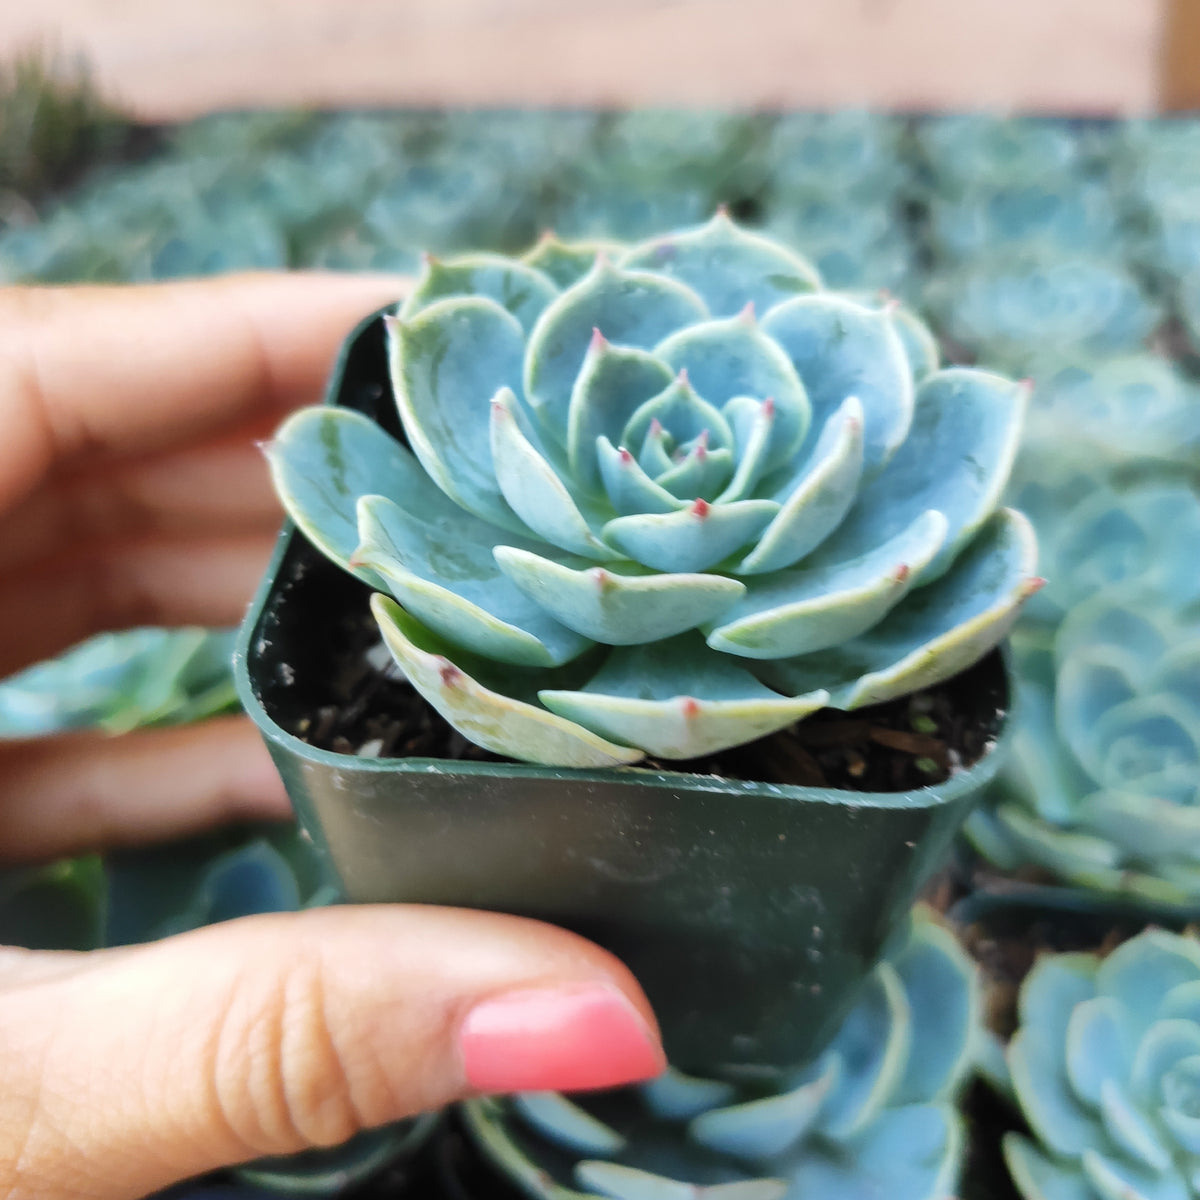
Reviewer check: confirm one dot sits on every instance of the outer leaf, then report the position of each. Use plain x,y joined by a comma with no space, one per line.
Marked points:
568,262
933,633
840,348
495,722
447,364
629,1183
630,308
956,459
521,289
614,606
678,700
445,574
630,490
797,612
1040,1177
566,1124
323,459
726,266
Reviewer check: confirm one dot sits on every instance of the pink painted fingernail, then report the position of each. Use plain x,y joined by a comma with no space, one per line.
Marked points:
558,1039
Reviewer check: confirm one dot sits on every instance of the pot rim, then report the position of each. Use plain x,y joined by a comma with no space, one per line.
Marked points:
959,784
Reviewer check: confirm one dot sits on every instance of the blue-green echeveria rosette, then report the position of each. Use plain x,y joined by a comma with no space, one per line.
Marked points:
874,1115
664,499
1103,788
1105,1066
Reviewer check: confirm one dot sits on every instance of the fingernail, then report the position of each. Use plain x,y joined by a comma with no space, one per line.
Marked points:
558,1039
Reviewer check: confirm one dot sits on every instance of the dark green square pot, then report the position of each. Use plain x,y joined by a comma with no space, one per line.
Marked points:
750,912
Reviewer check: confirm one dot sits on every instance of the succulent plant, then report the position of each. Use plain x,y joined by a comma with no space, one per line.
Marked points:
873,1115
117,681
675,498
1105,1066
1103,786
1031,308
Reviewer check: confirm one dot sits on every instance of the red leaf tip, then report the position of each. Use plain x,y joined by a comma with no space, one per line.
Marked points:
598,342
690,707
700,508
601,578
682,377
747,315
902,572
768,407
1033,585
625,457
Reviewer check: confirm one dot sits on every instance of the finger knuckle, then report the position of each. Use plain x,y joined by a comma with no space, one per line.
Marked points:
282,1081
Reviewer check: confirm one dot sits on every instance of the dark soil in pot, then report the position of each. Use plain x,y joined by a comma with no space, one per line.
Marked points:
356,702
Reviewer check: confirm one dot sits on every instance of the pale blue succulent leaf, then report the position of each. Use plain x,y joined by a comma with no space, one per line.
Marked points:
1119,1179
612,384
935,632
872,1046
1090,683
1145,737
655,456
727,266
619,1182
1054,1112
617,605
1150,823
944,1003
700,474
323,459
956,459
447,363
914,1152
1098,1047
630,308
1130,1129
567,1124
684,413
751,422
447,577
758,1131
690,539
630,490
1179,1090
1182,1001
1040,1176
519,288
565,263
734,357
816,497
674,1096
800,611
534,490
494,721
1141,971
1164,1044
841,348
677,699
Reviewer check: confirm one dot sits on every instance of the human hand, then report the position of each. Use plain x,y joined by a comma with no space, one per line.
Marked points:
131,493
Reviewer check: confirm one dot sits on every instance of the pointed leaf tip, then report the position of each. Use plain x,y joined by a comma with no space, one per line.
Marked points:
599,341
722,210
768,408
1033,585
701,509
625,457
748,316
690,707
902,572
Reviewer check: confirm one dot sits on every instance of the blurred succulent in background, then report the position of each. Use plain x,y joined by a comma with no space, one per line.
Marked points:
118,681
1025,309
961,152
1105,1066
836,190
874,1115
1103,787
661,461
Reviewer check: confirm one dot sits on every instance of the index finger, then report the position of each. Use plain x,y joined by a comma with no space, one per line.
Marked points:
104,371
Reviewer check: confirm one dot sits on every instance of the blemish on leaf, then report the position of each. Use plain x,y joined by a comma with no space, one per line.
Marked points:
450,674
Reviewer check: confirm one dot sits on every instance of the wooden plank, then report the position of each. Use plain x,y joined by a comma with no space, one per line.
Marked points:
1181,56
175,60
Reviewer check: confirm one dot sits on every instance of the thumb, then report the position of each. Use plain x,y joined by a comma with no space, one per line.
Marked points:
126,1070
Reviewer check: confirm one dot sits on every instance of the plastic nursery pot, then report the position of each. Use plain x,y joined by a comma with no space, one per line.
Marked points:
750,912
